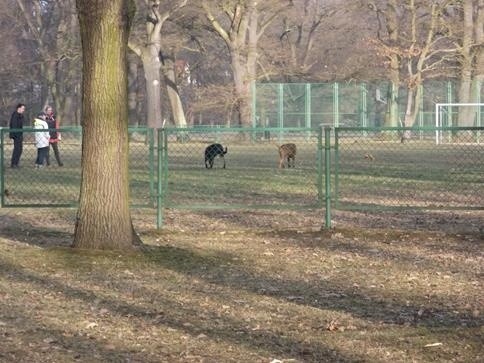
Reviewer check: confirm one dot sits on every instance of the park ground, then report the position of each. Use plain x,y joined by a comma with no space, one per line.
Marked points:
245,287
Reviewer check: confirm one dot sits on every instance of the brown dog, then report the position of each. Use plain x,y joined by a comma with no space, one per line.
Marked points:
287,152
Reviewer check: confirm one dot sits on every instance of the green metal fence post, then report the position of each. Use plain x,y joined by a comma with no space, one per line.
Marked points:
327,162
307,109
479,113
280,105
320,166
336,104
151,166
159,191
165,166
2,182
336,167
450,116
421,111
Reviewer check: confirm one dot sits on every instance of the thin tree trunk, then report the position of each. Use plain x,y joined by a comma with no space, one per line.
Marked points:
392,120
465,116
173,93
133,92
242,95
478,74
150,54
151,66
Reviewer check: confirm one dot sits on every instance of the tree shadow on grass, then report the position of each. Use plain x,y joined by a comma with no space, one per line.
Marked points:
398,247
21,230
213,268
332,295
199,321
34,339
451,222
328,295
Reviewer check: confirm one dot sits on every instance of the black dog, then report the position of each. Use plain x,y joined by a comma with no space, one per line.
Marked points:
211,152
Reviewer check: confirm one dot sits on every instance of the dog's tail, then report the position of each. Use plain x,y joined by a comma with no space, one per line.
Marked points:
225,150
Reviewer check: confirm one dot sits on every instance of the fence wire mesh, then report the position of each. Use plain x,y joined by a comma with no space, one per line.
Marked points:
57,185
353,168
375,170
252,177
352,104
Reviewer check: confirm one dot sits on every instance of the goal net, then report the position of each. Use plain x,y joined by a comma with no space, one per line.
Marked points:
447,115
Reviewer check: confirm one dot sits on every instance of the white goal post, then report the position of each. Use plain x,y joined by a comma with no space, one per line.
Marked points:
439,119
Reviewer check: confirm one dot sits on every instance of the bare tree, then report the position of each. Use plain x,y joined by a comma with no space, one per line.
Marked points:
241,23
16,56
134,91
308,32
52,26
471,58
388,34
479,57
204,76
103,218
153,61
417,45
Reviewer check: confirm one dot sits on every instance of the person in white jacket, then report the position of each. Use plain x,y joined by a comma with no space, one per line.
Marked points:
41,140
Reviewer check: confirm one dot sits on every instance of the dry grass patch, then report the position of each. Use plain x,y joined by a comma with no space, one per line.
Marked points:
290,295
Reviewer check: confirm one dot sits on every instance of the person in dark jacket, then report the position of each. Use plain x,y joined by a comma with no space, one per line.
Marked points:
54,134
16,123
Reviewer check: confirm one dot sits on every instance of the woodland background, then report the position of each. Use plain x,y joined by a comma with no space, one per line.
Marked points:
193,62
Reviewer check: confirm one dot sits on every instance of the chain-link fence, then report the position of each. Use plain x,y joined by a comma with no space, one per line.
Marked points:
373,169
240,168
57,184
236,168
342,168
351,104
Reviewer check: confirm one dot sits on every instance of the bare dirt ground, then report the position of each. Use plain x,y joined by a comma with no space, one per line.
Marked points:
246,286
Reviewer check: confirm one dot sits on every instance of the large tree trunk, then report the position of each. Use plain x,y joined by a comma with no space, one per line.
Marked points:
466,114
392,118
150,54
241,38
414,97
48,73
151,66
103,218
478,75
242,87
133,92
173,93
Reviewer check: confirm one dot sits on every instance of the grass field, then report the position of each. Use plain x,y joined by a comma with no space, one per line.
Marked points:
56,185
365,172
